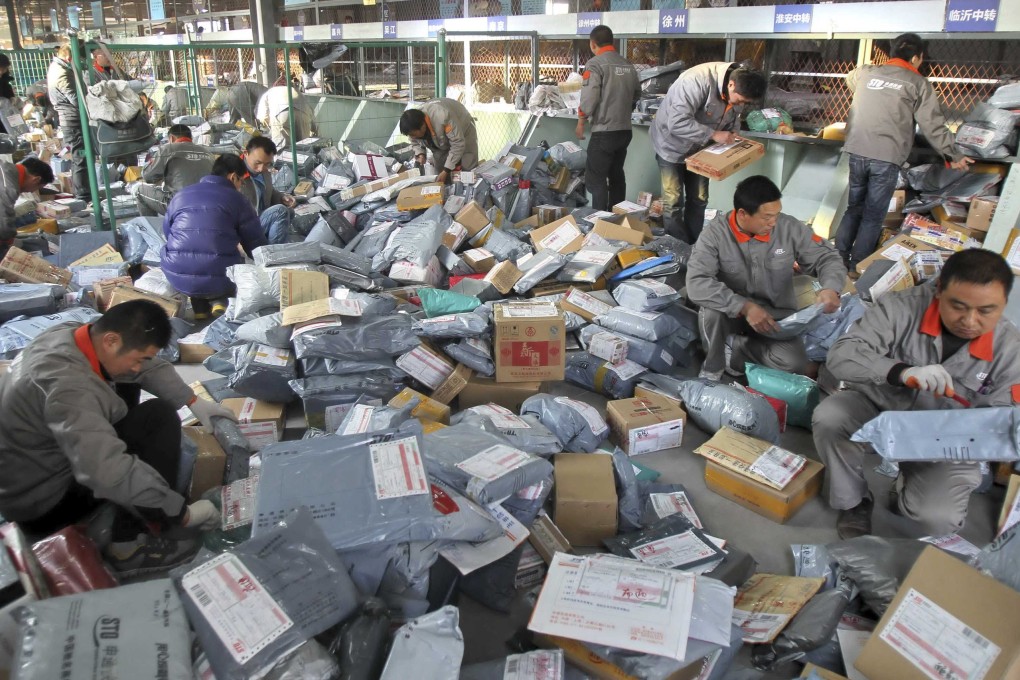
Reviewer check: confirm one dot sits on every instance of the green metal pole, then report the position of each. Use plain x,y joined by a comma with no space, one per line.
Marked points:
86,133
194,78
441,72
291,112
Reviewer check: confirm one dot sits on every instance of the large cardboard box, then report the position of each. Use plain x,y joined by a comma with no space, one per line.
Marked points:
19,266
779,506
420,197
481,390
261,422
646,424
586,504
472,217
981,212
127,293
529,342
453,384
947,620
209,466
563,236
899,248
719,161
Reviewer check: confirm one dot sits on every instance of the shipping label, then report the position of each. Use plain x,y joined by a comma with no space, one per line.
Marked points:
666,504
238,502
674,552
589,413
398,469
777,466
494,462
541,664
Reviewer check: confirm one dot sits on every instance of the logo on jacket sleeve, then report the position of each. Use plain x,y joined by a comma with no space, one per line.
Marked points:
879,84
780,251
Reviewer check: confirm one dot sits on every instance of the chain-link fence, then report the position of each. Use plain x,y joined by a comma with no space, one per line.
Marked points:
28,67
808,79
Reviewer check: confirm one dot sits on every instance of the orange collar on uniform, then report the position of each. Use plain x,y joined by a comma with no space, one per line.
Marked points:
607,48
902,63
428,124
741,236
980,347
21,175
182,139
84,342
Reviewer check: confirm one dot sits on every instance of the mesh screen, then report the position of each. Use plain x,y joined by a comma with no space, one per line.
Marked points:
808,79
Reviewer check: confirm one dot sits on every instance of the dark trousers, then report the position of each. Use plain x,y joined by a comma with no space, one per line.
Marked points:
684,200
152,431
604,174
74,139
872,183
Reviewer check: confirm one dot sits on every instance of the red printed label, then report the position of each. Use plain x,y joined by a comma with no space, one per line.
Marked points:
531,353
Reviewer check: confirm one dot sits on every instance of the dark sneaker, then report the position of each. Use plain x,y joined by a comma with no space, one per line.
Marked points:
856,521
218,308
149,555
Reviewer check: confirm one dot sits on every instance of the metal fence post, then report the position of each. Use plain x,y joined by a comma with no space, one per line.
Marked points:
290,112
410,71
197,92
442,68
535,60
86,134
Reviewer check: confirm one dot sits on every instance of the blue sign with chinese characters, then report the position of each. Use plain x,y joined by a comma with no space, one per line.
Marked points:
587,21
672,21
495,23
434,26
389,29
336,31
299,33
792,19
971,15
156,10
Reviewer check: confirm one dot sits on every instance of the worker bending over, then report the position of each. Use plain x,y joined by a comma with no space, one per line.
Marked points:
176,165
28,176
444,127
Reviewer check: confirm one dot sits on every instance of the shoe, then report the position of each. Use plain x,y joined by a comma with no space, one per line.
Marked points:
218,309
149,554
715,376
201,316
856,521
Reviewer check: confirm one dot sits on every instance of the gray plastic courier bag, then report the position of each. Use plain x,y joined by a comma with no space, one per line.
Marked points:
307,252
877,566
237,448
503,246
539,267
651,326
987,132
133,631
310,661
528,502
961,435
29,299
481,464
658,543
627,491
588,264
315,367
370,242
257,289
474,353
253,605
419,239
813,626
799,323
645,295
712,406
526,433
592,373
464,520
357,339
652,355
263,373
570,155
361,645
16,334
328,398
999,559
818,340
465,325
367,418
142,240
338,257
430,647
266,330
578,426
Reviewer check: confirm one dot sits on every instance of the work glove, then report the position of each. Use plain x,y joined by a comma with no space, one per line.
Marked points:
202,515
933,378
206,410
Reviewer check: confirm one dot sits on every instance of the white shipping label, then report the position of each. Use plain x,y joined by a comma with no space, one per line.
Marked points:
530,309
360,419
560,237
424,366
503,418
272,356
531,493
242,614
431,191
596,257
238,502
656,437
588,303
398,469
674,551
596,216
607,346
541,664
777,466
937,643
590,415
759,626
953,543
897,252
259,435
627,369
629,206
494,462
658,288
666,504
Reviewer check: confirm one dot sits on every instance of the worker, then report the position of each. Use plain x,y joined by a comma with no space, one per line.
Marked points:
909,352
28,176
272,206
741,275
610,91
64,97
37,99
204,225
76,434
175,103
276,109
703,106
148,107
444,127
176,165
102,69
239,99
880,135
6,79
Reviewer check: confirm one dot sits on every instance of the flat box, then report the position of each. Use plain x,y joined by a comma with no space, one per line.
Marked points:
618,232
427,408
646,424
631,256
981,212
376,185
779,506
481,390
454,236
547,539
503,276
584,305
52,210
209,466
369,166
420,197
21,267
261,422
563,236
899,247
454,383
972,615
298,287
194,354
529,342
123,293
719,161
428,366
472,217
585,505
45,225
479,259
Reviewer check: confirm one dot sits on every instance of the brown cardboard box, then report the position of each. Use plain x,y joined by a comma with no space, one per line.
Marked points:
194,354
547,214
298,287
44,225
981,212
630,208
547,538
719,161
950,214
304,188
473,218
126,293
896,203
646,424
420,196
585,504
563,236
643,391
1012,493
261,422
104,289
427,408
426,364
821,672
773,596
529,342
454,383
65,182
455,235
375,185
21,267
52,210
1011,251
481,390
899,247
618,232
479,259
503,276
629,257
561,181
106,254
779,506
528,224
975,618
583,304
209,466
600,668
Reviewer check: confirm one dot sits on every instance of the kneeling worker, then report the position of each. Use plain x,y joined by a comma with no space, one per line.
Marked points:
741,276
446,128
28,176
273,207
910,351
176,165
74,435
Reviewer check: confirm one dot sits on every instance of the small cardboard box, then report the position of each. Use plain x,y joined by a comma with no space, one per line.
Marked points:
561,181
428,366
529,342
373,186
981,212
584,305
453,384
420,197
369,165
123,293
548,214
547,538
608,347
261,422
563,236
899,248
473,218
646,424
618,232
194,353
454,236
104,289
52,210
975,616
427,408
19,266
766,603
304,188
779,506
503,276
586,504
209,466
298,287
719,161
479,259
481,390
631,208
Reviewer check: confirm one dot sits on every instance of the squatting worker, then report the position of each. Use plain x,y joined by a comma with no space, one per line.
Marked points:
910,351
64,98
28,176
741,276
75,434
610,91
702,107
444,127
888,100
176,165
273,207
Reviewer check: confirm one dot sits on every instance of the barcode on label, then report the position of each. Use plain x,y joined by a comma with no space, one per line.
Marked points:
511,666
202,596
976,638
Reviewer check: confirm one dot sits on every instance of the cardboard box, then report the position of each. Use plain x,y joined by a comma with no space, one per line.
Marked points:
473,218
481,390
547,538
369,165
47,226
261,422
548,214
821,672
645,391
900,247
454,383
631,208
981,212
645,424
595,666
102,290
561,181
298,287
719,161
420,197
454,236
617,232
503,276
133,173
19,266
428,366
210,464
194,353
974,617
124,293
479,259
529,342
106,254
373,186
585,504
1011,251
608,347
584,305
896,203
779,506
767,602
52,210
563,236
427,408
1012,494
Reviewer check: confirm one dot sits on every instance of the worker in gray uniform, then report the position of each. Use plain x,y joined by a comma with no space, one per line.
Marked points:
909,352
28,176
446,128
610,91
888,100
176,165
702,107
740,274
176,103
